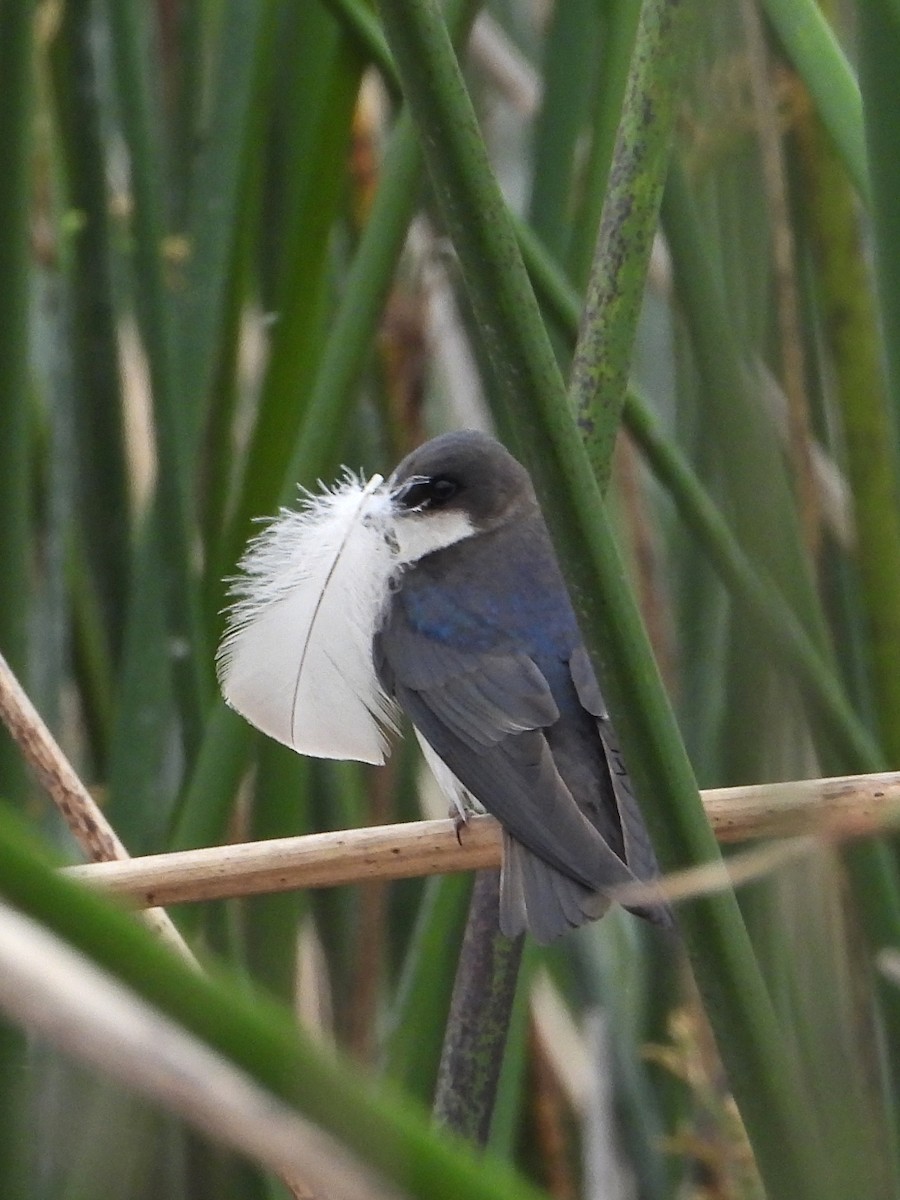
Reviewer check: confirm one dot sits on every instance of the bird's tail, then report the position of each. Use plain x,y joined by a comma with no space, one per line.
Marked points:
536,897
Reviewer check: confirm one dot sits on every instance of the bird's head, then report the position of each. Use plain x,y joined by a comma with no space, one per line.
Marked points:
454,487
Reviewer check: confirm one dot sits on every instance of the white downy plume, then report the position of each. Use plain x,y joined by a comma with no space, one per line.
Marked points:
296,659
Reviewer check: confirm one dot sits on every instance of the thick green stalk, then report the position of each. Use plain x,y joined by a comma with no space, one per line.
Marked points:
221,458
217,770
477,1025
317,446
628,221
15,117
571,56
810,44
514,1105
852,329
139,784
620,21
280,809
101,478
762,1074
418,1018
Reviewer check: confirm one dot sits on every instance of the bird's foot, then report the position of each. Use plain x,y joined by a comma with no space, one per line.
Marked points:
460,819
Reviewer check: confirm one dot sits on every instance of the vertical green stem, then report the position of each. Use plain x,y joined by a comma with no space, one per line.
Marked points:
191,660
15,1102
873,427
101,476
571,56
15,118
619,31
769,528
214,190
627,227
317,445
477,1026
316,136
852,328
16,64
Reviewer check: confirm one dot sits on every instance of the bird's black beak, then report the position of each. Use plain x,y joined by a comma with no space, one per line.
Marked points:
402,496
399,495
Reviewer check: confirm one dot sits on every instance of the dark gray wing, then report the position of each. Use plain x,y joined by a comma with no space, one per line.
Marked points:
486,715
639,852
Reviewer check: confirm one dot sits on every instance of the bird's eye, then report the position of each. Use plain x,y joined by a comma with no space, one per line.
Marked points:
421,495
442,489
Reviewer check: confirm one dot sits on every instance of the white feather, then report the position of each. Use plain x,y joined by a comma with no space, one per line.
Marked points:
296,659
461,799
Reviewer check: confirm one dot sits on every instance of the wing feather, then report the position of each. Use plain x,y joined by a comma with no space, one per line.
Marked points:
638,849
516,779
514,714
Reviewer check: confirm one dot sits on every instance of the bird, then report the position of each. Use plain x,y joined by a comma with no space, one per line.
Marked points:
438,593
479,645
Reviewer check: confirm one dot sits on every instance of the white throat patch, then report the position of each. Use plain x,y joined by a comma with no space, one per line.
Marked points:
418,534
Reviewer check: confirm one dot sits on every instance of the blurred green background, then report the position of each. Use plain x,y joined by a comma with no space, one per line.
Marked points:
224,273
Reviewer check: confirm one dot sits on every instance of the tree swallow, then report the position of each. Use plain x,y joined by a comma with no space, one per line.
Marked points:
479,646
454,608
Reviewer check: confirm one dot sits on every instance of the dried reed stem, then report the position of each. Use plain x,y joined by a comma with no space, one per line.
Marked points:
87,823
835,809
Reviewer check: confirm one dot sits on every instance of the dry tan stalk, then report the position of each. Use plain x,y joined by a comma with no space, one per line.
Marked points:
83,816
318,860
833,809
843,806
706,879
40,749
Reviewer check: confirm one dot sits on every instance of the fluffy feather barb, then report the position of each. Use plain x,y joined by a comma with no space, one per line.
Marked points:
296,659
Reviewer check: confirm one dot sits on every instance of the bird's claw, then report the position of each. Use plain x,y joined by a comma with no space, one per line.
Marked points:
460,820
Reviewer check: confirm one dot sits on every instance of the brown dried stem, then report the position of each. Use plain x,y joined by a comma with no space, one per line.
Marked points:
83,816
833,809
